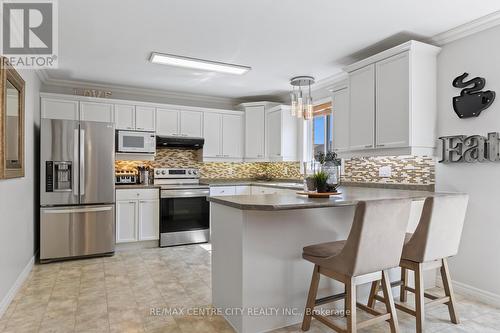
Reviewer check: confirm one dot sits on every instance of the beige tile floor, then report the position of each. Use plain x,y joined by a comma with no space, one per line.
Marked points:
116,294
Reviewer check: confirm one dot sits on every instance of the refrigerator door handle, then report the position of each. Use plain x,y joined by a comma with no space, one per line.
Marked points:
77,210
82,162
75,160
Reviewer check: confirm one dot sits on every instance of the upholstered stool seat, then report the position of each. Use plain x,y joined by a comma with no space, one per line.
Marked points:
358,260
323,250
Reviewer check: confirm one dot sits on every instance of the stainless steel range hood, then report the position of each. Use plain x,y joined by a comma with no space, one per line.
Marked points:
179,142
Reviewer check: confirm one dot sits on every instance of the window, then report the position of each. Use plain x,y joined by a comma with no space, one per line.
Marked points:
322,126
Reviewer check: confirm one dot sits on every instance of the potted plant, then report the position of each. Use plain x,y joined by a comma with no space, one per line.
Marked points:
320,180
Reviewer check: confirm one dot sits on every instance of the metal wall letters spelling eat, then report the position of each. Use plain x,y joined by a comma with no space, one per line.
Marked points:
474,148
471,101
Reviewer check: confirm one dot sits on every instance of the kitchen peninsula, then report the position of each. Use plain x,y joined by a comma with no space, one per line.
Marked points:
257,246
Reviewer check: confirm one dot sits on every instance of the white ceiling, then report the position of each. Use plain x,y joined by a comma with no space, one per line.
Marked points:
110,41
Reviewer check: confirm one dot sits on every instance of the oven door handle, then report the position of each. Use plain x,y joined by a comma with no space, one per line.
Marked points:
184,193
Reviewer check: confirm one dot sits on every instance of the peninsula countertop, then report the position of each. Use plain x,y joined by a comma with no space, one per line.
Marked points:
349,196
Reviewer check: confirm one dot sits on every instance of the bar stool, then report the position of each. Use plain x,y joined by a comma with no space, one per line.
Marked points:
436,238
376,236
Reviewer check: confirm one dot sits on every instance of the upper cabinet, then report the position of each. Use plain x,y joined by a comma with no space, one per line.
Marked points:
392,103
145,117
223,133
125,116
340,102
191,124
362,108
53,108
92,111
179,123
281,134
131,117
255,130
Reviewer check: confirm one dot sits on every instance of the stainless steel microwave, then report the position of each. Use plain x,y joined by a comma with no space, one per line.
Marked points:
135,142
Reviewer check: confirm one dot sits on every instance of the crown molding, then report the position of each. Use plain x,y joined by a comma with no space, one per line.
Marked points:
139,91
467,29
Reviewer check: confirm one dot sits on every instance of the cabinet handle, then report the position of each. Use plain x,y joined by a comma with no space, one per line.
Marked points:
131,202
369,146
380,145
140,128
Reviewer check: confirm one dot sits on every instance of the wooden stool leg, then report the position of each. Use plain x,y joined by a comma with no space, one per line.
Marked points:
311,299
448,289
419,298
373,293
389,302
403,293
351,306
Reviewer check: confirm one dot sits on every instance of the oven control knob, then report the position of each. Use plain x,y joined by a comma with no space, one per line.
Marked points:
157,172
190,172
195,172
163,172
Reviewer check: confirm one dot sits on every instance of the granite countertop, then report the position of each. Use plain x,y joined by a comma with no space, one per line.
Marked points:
294,184
349,196
136,186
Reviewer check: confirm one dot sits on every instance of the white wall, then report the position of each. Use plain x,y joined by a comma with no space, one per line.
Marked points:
18,201
477,264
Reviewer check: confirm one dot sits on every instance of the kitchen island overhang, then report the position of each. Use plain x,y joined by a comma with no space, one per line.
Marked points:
259,279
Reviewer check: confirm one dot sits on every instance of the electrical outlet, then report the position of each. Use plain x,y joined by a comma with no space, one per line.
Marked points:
385,172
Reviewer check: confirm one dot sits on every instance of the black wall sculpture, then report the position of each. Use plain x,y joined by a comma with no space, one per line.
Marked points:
472,100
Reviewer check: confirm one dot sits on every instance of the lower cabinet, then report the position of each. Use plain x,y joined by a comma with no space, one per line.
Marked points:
137,215
247,190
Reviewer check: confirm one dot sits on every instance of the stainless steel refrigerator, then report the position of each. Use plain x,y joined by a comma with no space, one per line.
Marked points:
77,199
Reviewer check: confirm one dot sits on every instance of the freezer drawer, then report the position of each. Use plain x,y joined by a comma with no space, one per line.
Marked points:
76,231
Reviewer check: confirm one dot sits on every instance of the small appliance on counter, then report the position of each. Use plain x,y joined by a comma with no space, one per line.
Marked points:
144,175
125,177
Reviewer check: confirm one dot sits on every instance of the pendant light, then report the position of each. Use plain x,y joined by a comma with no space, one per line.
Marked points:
301,99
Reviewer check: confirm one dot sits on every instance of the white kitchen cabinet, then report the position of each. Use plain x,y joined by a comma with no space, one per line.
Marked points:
340,106
256,190
362,108
93,111
255,144
243,190
126,215
125,116
222,190
191,124
212,133
179,123
232,136
149,219
167,122
137,215
223,136
392,104
145,117
281,134
392,101
59,109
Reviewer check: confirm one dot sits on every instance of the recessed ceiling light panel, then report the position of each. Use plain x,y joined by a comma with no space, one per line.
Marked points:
206,65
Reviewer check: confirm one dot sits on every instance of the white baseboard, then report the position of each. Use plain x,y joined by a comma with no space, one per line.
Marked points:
4,304
136,245
474,293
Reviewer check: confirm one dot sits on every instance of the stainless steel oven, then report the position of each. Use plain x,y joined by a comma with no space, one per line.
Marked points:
184,210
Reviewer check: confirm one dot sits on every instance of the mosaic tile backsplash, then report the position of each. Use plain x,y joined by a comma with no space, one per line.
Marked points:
406,170
410,170
181,158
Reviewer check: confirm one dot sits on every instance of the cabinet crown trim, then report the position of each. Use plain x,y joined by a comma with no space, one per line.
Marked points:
408,46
